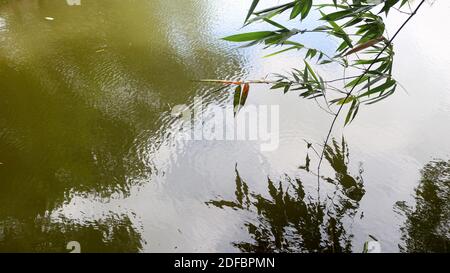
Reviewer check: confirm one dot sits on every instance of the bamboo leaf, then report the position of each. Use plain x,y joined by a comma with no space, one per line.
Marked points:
344,100
273,23
379,89
245,92
237,99
311,71
357,81
250,36
388,4
337,15
339,32
364,46
307,5
297,9
350,113
252,9
281,51
279,85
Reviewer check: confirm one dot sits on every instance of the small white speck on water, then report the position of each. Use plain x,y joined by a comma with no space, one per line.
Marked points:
49,18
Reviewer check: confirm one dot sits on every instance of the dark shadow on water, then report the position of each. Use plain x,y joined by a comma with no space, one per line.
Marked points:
292,220
112,234
427,225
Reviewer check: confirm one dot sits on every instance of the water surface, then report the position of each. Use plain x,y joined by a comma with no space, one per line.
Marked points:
89,149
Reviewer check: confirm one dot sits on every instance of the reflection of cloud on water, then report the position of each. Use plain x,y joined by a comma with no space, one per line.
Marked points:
182,176
73,2
2,24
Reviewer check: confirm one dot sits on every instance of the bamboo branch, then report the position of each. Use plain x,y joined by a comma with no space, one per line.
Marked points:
353,89
228,82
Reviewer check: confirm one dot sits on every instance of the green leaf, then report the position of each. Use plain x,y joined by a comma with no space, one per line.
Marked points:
342,46
262,17
307,5
294,43
388,4
344,100
252,9
311,53
273,23
337,15
371,83
379,89
403,3
357,81
371,61
286,88
280,8
352,22
281,51
339,32
380,98
326,62
335,5
355,112
249,36
305,75
352,112
311,71
279,85
296,78
237,99
297,9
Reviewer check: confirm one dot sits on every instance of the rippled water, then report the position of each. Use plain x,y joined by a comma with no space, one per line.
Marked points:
89,147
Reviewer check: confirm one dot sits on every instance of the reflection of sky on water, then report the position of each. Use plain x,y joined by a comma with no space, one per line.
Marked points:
399,152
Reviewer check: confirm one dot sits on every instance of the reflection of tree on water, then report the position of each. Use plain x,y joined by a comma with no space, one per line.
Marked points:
338,157
427,225
42,234
292,220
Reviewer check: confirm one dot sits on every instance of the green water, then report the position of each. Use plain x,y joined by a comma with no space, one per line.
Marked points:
88,150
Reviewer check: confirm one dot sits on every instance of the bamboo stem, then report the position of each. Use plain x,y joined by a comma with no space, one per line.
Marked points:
228,82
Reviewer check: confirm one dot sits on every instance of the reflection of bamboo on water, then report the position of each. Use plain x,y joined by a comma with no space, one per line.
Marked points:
290,220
